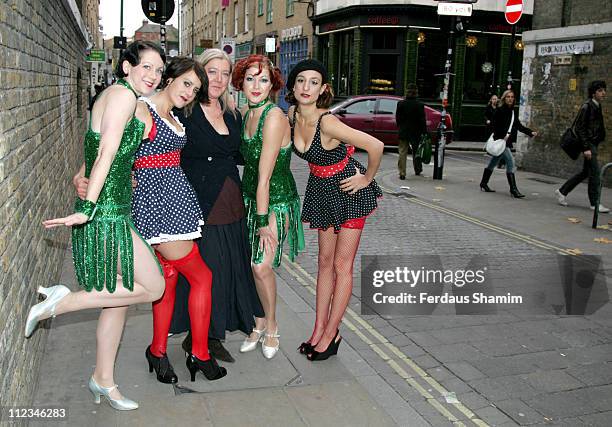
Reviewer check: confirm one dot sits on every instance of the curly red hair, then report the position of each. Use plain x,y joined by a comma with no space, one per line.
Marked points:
260,61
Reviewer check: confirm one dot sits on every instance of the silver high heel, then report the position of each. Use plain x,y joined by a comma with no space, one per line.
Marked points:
248,345
268,351
124,404
54,295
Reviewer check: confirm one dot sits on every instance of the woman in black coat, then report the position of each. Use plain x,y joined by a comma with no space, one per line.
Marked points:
506,125
209,160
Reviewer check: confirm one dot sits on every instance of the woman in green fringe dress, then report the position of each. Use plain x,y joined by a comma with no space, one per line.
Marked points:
114,265
270,195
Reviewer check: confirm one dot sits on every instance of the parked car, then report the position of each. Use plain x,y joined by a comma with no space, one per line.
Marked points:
375,114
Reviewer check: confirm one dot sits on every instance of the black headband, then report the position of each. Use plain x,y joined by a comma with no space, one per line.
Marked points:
306,65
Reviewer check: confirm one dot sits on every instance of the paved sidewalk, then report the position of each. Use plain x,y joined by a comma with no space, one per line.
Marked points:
285,391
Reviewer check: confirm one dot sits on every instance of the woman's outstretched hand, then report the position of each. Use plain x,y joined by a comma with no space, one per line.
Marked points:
70,220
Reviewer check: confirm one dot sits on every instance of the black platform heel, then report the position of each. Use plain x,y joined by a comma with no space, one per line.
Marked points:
161,365
211,370
331,350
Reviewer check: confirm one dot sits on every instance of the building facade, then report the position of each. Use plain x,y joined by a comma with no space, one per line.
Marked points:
149,31
371,47
570,46
43,120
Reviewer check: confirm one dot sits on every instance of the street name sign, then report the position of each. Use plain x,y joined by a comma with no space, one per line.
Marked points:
96,56
582,47
455,9
514,11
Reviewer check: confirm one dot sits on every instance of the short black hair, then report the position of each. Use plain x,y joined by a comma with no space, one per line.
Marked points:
132,53
595,86
180,65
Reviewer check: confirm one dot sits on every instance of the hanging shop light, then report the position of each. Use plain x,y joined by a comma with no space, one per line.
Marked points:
421,37
471,41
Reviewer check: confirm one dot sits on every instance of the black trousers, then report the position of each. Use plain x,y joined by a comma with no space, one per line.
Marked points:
590,170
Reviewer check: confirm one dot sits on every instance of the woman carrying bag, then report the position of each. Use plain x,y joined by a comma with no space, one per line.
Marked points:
506,124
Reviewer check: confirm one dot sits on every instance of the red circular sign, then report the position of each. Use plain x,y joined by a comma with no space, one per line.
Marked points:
514,11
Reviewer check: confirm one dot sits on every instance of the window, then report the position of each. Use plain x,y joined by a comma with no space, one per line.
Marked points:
289,7
387,106
269,12
259,7
361,107
217,26
246,16
235,19
224,22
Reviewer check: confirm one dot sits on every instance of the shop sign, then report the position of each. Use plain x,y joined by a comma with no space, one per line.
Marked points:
96,56
383,20
243,50
335,26
291,33
581,47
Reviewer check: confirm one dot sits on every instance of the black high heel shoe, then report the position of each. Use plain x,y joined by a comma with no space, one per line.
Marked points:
211,370
305,348
161,365
331,350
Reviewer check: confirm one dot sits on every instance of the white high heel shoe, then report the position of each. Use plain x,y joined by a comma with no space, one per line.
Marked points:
54,295
123,404
248,345
270,352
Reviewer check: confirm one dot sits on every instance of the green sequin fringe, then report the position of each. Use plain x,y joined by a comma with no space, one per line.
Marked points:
288,227
99,243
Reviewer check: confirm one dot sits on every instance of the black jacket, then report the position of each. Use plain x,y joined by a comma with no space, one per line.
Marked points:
209,158
589,125
410,119
501,123
489,115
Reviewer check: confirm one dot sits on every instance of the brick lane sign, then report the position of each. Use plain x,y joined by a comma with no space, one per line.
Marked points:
455,9
514,11
96,56
581,47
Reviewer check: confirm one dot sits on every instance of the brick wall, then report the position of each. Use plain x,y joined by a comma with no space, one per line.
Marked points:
42,120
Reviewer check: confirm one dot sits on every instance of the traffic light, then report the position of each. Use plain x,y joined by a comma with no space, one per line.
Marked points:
119,42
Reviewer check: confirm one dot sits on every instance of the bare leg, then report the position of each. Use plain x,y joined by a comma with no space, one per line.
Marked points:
108,337
326,282
265,281
148,285
347,244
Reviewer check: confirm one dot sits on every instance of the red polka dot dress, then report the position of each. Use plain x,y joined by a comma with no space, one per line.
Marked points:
164,205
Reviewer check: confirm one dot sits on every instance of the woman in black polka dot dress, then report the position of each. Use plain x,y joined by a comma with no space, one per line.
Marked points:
340,194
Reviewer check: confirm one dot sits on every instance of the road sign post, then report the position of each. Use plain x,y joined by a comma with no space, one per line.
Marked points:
513,12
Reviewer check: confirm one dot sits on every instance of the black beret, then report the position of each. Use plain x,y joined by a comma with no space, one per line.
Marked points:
305,65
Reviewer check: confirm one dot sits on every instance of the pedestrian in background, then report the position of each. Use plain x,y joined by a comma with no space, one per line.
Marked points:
490,110
410,119
506,125
590,131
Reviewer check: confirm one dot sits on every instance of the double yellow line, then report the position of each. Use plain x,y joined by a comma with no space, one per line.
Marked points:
421,381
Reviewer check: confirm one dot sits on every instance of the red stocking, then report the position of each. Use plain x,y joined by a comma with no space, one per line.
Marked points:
163,309
199,277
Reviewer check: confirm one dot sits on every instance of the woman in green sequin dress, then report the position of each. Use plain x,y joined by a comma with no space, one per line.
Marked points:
270,194
114,266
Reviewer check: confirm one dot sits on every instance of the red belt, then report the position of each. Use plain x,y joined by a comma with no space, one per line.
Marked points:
164,160
331,170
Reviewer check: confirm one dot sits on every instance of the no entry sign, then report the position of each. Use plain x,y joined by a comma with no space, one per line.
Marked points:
514,11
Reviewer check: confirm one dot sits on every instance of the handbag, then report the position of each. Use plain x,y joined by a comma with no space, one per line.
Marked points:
424,149
570,143
496,147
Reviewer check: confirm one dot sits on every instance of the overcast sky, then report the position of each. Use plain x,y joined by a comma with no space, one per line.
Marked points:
132,16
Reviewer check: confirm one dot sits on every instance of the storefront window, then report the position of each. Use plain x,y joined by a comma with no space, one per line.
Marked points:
432,57
383,61
481,67
345,59
291,52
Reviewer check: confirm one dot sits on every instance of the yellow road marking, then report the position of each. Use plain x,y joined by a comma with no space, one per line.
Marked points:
309,282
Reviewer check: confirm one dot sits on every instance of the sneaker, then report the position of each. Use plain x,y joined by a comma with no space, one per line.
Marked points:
561,198
602,209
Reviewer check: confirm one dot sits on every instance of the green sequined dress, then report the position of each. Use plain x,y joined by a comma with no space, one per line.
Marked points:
97,244
284,198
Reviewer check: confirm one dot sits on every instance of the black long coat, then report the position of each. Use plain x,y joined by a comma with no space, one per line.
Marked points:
209,158
410,119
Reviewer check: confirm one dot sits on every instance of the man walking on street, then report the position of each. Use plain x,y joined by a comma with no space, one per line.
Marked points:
410,118
590,131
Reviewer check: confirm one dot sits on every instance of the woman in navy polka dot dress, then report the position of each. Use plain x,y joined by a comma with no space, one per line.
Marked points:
167,214
340,194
